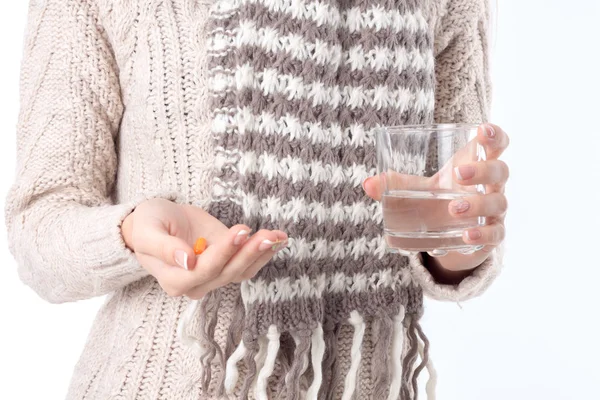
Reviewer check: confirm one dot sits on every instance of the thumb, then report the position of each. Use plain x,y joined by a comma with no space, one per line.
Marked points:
375,185
372,187
156,241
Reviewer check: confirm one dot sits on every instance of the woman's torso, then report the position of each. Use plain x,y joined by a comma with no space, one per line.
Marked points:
164,145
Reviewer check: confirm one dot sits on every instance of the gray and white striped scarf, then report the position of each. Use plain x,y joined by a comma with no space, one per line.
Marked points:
298,86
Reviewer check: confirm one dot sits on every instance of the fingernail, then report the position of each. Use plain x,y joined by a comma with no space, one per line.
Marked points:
181,258
364,183
459,206
274,246
281,246
265,245
490,132
473,234
241,237
464,172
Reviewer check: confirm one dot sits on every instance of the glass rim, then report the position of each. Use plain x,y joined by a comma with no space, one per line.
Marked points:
431,127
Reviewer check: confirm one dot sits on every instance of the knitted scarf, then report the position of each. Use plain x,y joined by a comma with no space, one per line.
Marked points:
298,87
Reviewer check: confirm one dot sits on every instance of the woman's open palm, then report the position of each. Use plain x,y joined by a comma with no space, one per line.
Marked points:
161,233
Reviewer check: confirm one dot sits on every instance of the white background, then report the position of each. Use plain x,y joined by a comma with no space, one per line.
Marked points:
535,334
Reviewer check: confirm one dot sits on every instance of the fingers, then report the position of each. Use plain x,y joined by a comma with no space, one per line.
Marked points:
493,139
491,172
170,278
156,242
253,269
488,205
253,255
492,234
166,260
211,262
493,206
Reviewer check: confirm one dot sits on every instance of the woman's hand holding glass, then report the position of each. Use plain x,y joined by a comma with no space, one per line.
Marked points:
492,173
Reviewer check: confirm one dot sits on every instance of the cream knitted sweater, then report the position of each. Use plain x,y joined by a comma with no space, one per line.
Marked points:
115,110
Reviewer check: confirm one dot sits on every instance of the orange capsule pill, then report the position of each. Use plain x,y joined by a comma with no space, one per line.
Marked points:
200,246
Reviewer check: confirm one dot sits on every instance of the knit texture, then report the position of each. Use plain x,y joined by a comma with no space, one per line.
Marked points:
116,108
298,89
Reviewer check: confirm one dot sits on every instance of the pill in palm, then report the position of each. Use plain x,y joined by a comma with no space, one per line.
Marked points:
200,246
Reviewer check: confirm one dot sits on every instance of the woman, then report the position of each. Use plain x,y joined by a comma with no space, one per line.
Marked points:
119,174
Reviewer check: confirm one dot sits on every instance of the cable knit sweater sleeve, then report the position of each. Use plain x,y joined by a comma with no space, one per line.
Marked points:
460,30
63,229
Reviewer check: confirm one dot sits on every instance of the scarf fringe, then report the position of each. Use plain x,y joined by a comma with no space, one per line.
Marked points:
382,369
358,323
236,327
209,315
298,367
249,361
331,374
234,335
424,358
231,370
272,349
418,347
397,347
408,361
185,321
317,353
253,361
392,337
430,386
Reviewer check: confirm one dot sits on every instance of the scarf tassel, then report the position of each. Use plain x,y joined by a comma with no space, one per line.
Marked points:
209,314
204,346
298,367
264,361
397,347
405,337
331,373
190,341
417,347
428,363
359,325
317,354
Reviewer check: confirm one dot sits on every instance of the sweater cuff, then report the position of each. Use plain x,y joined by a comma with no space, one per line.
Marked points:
472,286
113,264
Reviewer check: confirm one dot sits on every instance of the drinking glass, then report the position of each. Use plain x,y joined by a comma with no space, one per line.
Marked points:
417,166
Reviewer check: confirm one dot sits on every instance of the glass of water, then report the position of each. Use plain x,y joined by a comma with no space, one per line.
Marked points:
417,167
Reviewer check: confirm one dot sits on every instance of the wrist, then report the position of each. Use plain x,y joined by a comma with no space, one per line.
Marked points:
442,274
127,231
